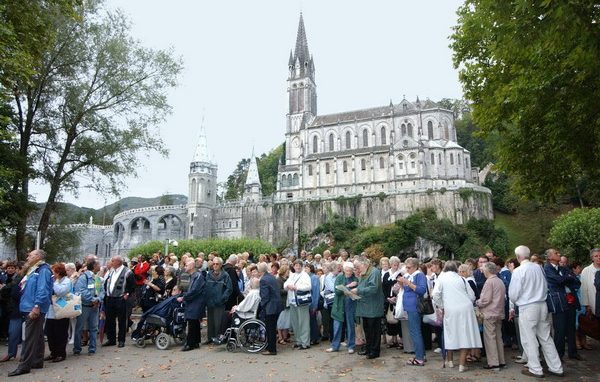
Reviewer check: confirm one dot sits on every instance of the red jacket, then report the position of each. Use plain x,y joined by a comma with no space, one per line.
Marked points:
140,272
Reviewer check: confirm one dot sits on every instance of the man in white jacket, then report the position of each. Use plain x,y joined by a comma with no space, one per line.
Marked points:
588,290
528,290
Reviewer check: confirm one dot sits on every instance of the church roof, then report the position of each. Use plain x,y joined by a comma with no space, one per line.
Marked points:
301,52
403,108
252,177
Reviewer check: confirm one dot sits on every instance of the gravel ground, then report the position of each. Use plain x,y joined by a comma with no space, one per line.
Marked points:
215,363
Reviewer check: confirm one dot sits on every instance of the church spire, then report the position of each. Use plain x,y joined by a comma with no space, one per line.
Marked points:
301,53
252,177
202,154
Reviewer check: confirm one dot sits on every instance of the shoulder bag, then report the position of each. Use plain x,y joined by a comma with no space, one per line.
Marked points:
68,306
424,304
303,297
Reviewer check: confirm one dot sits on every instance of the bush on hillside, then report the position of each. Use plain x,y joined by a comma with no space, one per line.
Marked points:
223,247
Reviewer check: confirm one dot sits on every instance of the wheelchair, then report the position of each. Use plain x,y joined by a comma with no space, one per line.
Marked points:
250,335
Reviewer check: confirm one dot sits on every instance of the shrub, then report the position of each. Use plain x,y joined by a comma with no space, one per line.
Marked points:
577,232
223,247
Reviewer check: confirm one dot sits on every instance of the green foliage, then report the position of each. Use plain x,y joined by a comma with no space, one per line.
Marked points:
268,165
457,241
531,70
502,198
223,247
577,232
468,135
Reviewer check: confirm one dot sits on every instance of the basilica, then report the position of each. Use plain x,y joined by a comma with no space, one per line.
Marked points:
377,165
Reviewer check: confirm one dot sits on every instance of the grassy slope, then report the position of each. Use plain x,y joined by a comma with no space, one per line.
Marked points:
530,228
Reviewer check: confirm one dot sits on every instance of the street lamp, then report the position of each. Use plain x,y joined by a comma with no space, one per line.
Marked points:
167,242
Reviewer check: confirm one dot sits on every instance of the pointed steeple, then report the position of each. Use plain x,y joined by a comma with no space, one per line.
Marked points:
301,53
252,177
202,154
291,60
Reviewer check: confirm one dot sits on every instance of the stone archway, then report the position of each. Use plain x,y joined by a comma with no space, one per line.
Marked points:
169,227
140,231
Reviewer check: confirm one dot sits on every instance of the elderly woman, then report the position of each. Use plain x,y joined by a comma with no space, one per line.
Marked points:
218,289
370,306
170,280
415,286
283,321
491,303
153,289
455,298
389,280
299,281
73,275
343,308
58,330
466,272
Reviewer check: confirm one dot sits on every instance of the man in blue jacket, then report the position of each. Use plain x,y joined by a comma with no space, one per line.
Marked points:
271,306
560,281
36,287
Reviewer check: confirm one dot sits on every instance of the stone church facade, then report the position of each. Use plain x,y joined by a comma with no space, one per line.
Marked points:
377,165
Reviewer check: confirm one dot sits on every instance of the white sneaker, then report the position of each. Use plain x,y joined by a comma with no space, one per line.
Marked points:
350,351
330,350
437,350
449,364
462,368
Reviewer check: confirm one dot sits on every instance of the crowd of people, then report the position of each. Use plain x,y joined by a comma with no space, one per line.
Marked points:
475,309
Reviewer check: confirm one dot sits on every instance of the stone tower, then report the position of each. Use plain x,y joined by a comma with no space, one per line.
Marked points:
252,187
203,190
302,94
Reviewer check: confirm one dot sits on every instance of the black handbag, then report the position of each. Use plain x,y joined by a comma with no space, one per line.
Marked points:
303,298
424,304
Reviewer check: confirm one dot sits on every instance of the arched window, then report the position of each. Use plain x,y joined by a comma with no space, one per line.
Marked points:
296,180
432,158
348,140
381,163
451,158
410,130
310,169
440,158
331,142
383,140
430,130
467,162
363,164
365,134
315,144
412,164
403,130
326,168
459,161
446,131
345,166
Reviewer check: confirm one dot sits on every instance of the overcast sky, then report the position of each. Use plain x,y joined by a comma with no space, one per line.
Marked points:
236,53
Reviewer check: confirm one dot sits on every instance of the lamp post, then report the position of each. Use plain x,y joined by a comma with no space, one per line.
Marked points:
167,242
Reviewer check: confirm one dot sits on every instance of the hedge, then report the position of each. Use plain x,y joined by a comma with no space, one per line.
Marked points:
223,247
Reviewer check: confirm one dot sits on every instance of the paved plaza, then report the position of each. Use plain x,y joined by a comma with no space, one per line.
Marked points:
215,363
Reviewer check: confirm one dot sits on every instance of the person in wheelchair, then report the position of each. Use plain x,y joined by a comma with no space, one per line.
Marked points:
244,311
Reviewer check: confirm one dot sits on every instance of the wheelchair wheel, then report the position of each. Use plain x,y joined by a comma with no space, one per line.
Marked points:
252,336
231,346
140,342
163,340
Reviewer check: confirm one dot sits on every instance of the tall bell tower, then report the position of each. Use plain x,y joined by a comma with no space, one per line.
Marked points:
202,190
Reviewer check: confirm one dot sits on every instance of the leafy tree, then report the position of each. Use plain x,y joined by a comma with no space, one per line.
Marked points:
235,181
577,232
502,198
166,200
268,165
88,109
530,68
26,31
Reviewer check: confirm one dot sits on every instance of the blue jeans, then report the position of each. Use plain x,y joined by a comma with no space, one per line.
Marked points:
15,331
338,325
414,327
88,315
